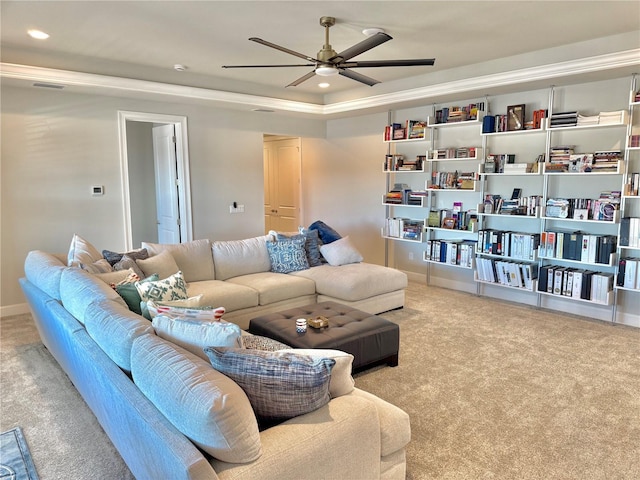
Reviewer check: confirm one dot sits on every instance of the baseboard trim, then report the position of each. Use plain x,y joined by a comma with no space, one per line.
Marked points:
17,309
416,277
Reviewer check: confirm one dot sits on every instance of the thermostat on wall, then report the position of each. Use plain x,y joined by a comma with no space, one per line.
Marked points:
97,190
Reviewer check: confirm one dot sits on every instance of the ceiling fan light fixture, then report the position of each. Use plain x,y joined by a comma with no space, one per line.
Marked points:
372,31
326,70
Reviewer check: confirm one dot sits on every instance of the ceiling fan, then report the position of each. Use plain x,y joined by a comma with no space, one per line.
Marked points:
328,62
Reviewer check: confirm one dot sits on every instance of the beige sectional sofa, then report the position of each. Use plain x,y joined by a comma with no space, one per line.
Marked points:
169,413
236,275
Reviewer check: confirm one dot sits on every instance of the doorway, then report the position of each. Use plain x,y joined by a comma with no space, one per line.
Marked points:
282,161
155,195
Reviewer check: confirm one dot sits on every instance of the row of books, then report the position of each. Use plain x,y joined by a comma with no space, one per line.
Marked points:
452,219
572,119
628,273
600,209
412,129
458,114
397,163
454,152
452,252
527,206
518,245
630,232
575,283
564,159
578,246
453,180
405,228
495,162
511,274
634,141
632,184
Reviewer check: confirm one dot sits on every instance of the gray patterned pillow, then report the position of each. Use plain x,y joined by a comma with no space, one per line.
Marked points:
279,385
170,288
258,342
311,245
126,263
288,255
115,257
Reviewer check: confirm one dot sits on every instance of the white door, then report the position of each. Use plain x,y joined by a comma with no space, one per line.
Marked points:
167,205
282,171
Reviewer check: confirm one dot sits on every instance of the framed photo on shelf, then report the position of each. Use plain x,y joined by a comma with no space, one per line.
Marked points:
515,117
449,222
398,134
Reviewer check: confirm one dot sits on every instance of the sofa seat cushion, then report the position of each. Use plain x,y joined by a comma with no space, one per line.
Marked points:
193,258
217,293
233,258
355,281
206,406
275,287
115,327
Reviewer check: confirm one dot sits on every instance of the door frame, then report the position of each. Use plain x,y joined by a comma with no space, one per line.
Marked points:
182,157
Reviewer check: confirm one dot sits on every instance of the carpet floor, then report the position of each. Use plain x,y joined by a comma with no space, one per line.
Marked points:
494,390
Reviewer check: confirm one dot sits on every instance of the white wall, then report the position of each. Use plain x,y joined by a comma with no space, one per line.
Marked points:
56,144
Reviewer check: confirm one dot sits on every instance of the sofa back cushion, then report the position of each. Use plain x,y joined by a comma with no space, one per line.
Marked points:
44,270
114,328
78,289
233,258
206,406
193,258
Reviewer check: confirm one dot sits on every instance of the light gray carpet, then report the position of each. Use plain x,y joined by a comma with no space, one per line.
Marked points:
494,391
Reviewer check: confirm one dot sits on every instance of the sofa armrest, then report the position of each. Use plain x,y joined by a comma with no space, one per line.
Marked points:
395,429
339,440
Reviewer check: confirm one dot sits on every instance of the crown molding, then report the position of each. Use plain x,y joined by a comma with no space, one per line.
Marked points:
147,89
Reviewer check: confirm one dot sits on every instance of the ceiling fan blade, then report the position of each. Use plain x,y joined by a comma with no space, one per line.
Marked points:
367,44
388,63
302,79
269,66
283,49
358,77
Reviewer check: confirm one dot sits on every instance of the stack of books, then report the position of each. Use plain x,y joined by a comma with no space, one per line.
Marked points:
629,273
563,119
612,118
606,161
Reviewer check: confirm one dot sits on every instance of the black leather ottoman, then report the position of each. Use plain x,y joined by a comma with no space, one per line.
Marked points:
372,340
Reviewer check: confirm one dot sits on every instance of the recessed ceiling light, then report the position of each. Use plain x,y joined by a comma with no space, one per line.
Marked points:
324,85
263,110
180,68
372,31
38,34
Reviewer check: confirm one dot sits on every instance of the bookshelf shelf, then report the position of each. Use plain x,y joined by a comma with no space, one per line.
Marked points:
515,132
453,230
476,121
401,239
422,170
612,262
508,258
452,265
407,140
627,289
607,303
533,289
623,123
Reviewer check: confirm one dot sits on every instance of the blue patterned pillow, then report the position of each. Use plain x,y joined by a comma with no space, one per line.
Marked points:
279,385
287,255
311,245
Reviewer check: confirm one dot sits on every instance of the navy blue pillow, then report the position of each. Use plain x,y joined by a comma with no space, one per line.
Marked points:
326,233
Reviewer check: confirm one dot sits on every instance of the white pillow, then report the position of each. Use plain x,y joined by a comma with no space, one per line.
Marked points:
194,336
82,252
341,382
341,252
195,312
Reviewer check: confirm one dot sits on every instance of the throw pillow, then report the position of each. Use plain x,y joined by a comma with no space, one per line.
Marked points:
279,386
342,382
341,252
206,406
129,292
116,277
115,257
128,263
311,244
191,302
170,288
287,255
81,251
199,314
326,233
163,264
100,266
258,342
194,336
